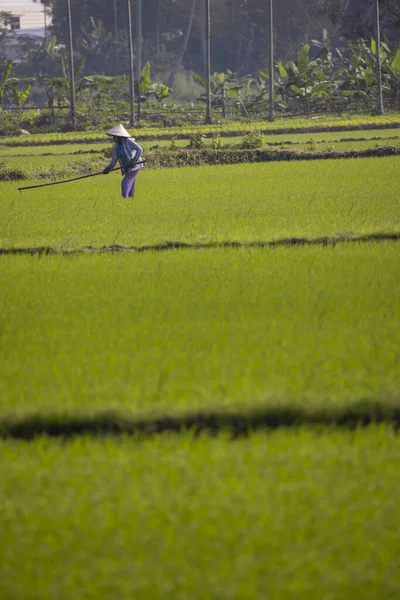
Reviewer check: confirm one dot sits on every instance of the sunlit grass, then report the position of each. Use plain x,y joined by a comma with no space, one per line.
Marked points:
327,121
58,149
279,516
329,136
27,157
31,165
161,333
243,203
291,514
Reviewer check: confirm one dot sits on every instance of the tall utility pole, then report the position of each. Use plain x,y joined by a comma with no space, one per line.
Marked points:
71,69
157,18
139,50
379,98
45,18
271,62
131,72
116,37
208,62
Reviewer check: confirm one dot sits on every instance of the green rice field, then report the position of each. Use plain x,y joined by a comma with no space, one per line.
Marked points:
348,139
287,515
29,157
361,122
241,203
57,159
201,329
262,296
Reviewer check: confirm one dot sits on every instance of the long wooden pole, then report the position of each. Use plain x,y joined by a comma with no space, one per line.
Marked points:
31,187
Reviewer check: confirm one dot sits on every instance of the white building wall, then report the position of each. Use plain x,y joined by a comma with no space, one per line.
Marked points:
31,15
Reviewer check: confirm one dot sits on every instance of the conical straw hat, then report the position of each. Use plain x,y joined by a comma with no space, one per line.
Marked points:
119,131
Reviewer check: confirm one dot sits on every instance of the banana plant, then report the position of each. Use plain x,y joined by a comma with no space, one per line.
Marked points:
144,82
57,91
222,85
64,64
97,44
13,92
104,84
307,78
393,79
360,68
49,56
3,81
10,87
57,88
390,68
149,90
103,88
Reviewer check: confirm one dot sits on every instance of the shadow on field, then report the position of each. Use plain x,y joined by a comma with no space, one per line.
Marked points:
170,245
237,424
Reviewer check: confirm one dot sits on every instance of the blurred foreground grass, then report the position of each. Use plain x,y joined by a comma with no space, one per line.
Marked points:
280,516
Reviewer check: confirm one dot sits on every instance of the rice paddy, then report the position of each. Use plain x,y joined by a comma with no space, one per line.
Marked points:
235,203
277,292
286,515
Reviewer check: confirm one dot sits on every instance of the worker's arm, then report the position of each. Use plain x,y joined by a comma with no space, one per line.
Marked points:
113,161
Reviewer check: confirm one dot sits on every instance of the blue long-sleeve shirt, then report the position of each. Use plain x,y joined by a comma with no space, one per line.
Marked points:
124,152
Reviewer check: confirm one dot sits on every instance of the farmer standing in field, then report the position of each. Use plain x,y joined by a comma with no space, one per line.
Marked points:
127,152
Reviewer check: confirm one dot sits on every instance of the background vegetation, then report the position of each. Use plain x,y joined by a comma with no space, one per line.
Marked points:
324,61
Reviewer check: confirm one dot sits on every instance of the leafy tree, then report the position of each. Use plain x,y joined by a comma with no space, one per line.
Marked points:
98,46
46,59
